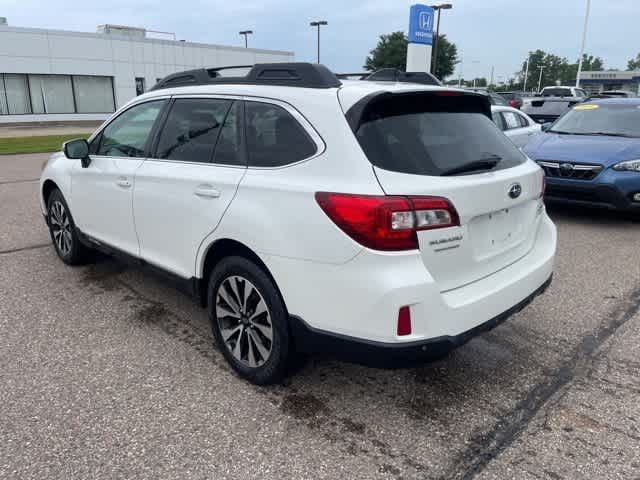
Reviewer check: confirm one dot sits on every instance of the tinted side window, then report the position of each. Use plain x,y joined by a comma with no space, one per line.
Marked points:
274,137
127,135
498,120
229,147
192,128
511,120
523,121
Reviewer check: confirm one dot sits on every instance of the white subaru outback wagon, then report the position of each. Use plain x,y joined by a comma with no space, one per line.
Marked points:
383,222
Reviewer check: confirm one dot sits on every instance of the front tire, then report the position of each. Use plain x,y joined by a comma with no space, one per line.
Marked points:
63,231
249,320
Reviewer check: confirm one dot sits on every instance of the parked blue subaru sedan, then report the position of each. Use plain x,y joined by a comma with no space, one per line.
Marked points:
591,155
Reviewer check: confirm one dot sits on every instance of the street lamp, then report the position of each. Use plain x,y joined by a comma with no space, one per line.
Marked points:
318,24
246,33
442,6
584,38
540,78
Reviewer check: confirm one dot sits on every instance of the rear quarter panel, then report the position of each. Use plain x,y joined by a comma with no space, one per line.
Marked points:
275,212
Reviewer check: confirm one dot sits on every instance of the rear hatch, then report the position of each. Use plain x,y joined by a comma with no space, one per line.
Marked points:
548,108
445,144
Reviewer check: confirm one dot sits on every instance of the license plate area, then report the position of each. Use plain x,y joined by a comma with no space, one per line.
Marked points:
496,232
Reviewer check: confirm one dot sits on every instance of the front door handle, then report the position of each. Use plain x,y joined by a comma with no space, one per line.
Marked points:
206,191
123,182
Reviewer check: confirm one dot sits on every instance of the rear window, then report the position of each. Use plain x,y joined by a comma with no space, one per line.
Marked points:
425,134
556,92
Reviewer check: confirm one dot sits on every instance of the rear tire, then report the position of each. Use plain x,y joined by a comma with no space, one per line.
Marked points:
63,231
249,320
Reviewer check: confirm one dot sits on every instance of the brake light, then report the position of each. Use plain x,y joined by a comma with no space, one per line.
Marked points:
387,223
513,103
449,93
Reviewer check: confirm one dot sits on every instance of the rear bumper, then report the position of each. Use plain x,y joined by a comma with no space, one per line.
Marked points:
612,190
394,355
360,299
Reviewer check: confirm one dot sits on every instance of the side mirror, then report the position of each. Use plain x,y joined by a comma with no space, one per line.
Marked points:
77,149
546,126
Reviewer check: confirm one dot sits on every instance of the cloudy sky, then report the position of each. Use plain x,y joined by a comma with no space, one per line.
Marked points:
487,32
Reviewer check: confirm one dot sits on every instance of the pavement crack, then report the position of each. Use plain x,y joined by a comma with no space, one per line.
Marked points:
22,249
485,447
11,182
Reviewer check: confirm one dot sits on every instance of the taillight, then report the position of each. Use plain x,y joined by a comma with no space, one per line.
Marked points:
387,222
513,103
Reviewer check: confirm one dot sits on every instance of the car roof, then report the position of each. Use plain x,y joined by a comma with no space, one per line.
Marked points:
629,102
351,91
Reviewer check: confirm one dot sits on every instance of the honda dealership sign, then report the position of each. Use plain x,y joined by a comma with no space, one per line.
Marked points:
421,24
420,38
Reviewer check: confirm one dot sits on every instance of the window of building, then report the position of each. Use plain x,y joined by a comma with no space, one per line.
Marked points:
127,135
51,94
192,128
15,90
93,94
139,86
274,137
42,94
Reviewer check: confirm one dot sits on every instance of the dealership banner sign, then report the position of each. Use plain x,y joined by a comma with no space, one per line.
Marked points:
421,24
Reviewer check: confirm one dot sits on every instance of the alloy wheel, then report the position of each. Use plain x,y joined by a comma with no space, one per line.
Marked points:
244,321
61,227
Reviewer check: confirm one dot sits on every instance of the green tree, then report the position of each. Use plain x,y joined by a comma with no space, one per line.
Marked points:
391,52
447,57
634,63
555,69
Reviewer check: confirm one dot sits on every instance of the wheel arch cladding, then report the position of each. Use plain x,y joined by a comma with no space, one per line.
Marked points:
47,188
227,247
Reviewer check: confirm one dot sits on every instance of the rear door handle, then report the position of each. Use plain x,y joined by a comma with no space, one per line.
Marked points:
206,191
123,182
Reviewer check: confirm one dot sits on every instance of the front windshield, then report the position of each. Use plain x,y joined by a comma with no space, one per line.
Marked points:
584,119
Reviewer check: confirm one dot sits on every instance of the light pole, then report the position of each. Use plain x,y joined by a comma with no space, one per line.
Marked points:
540,78
318,24
434,61
246,33
526,74
584,39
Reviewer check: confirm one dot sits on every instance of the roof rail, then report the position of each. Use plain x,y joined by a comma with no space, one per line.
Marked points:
392,75
396,75
349,76
308,75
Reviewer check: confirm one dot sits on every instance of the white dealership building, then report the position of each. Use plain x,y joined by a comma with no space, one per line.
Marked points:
55,75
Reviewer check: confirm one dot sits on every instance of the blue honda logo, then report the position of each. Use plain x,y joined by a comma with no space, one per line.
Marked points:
426,21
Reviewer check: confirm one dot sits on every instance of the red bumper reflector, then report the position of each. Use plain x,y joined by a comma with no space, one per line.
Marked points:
404,321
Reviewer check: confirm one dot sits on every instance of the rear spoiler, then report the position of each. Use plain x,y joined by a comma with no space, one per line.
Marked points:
385,103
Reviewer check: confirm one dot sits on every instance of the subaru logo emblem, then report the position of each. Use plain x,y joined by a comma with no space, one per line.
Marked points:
515,190
566,167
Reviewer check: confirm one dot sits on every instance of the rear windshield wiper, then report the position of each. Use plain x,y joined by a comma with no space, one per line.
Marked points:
609,134
561,132
486,163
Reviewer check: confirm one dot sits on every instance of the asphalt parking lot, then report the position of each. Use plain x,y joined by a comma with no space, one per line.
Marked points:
108,372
